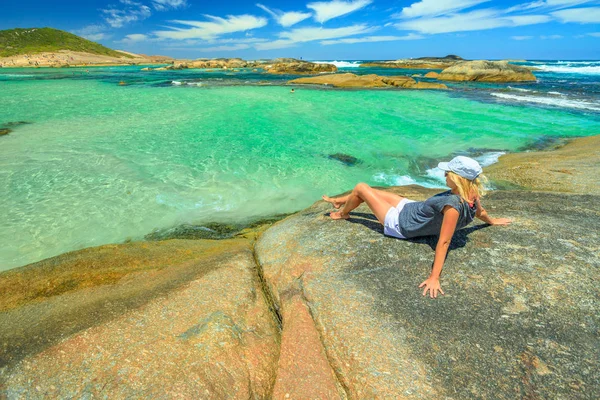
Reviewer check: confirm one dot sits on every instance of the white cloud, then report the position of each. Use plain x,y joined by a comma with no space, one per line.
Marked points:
594,34
521,37
470,21
302,35
92,32
133,11
286,19
551,37
432,8
210,30
547,4
276,44
588,15
311,34
163,5
135,37
324,11
369,39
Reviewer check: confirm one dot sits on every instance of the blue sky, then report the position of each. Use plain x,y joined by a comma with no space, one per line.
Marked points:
325,30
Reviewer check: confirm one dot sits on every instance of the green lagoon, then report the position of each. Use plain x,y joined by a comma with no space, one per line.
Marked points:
97,163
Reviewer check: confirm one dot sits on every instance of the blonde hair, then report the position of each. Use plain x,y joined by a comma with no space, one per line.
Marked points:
469,190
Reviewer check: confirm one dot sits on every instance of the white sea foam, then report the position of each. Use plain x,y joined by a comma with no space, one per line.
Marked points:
194,83
489,158
520,89
578,62
341,64
437,174
402,180
17,75
567,69
551,101
176,83
556,93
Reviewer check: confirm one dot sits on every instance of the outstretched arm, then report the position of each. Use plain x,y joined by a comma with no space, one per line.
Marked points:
483,215
432,284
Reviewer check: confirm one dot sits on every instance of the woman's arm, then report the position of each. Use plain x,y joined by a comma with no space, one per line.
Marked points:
483,215
432,284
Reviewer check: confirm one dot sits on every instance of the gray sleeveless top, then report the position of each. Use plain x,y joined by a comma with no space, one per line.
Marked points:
423,218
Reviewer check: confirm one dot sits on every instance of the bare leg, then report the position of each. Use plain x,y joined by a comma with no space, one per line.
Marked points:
364,193
392,198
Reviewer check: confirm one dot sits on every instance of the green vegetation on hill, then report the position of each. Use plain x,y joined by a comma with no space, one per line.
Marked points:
37,40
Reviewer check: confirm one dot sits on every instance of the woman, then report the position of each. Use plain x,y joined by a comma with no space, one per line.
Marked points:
440,215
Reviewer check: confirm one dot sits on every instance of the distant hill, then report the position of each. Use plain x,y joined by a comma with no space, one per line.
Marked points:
37,40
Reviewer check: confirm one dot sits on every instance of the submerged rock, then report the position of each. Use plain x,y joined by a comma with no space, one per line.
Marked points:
211,230
344,158
187,231
14,123
487,71
4,131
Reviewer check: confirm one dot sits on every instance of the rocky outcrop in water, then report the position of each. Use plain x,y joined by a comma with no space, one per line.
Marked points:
297,67
349,80
276,66
417,63
487,71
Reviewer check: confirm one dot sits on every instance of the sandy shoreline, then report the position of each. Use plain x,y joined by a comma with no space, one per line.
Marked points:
66,58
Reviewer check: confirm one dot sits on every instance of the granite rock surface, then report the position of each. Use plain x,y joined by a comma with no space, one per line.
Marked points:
486,71
572,168
519,319
172,319
349,80
417,63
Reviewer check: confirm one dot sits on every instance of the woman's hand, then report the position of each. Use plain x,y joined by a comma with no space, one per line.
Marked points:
433,286
501,221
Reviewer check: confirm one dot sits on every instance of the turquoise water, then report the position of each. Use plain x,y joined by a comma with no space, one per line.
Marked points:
101,163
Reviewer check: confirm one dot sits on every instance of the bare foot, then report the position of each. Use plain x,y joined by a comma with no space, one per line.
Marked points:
338,215
332,201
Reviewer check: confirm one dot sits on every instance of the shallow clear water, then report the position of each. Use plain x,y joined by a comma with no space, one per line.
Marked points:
100,163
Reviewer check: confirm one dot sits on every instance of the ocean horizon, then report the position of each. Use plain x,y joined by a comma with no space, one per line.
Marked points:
90,161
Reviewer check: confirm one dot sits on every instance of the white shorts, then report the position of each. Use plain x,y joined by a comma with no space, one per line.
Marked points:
391,226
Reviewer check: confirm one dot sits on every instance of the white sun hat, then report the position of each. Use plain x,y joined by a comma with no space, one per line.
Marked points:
462,166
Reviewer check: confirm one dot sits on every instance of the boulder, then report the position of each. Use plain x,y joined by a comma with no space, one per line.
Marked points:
519,318
178,318
432,75
417,63
297,67
220,63
349,80
487,71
